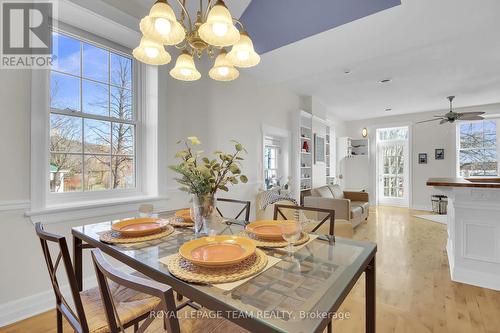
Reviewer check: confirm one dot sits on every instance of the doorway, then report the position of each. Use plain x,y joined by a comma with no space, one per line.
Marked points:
393,166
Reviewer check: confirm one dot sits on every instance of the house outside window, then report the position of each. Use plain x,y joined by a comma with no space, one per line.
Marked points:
92,144
478,146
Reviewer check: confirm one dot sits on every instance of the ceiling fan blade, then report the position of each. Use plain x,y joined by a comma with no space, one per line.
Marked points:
467,117
460,115
444,121
426,121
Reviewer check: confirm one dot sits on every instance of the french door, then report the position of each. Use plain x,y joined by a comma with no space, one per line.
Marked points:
393,166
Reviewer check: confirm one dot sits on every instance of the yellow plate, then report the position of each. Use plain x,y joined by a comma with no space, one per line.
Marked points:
216,251
138,227
184,214
269,229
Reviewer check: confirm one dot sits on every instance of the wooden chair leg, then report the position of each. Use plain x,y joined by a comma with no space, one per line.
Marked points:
136,327
179,297
59,321
330,327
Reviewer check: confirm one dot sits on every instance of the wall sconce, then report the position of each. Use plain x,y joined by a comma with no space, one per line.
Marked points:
364,132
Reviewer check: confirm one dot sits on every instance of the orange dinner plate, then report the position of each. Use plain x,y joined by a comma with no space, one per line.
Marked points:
139,226
269,229
184,214
216,251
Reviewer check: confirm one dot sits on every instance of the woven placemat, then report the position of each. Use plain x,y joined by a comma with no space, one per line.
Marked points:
259,242
114,237
189,272
179,222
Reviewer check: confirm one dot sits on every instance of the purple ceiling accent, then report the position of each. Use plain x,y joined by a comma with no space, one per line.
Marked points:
276,23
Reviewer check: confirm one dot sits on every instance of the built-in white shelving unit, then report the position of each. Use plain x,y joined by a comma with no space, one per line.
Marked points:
306,148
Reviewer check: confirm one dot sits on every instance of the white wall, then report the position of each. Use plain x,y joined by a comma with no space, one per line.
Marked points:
217,112
424,139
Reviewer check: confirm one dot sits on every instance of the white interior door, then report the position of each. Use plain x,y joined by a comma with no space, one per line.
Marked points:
393,169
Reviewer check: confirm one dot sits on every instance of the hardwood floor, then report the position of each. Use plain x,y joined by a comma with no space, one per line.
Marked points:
414,290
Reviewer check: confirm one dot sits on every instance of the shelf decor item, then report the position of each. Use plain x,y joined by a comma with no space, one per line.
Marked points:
203,177
439,154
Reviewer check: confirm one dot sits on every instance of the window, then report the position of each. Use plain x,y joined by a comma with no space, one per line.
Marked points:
477,148
271,155
92,118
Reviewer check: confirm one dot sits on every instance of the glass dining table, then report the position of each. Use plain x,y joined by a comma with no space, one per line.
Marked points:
300,293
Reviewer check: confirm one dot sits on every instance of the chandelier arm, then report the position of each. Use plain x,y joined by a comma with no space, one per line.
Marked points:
181,3
239,23
209,5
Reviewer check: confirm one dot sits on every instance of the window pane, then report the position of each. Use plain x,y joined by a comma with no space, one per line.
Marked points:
122,168
65,133
97,173
121,71
490,134
478,162
65,173
95,98
121,103
97,136
95,63
471,135
64,92
123,139
65,54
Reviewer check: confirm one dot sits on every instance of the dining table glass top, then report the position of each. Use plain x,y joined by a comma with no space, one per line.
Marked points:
294,295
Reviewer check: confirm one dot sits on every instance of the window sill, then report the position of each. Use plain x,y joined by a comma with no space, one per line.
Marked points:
92,209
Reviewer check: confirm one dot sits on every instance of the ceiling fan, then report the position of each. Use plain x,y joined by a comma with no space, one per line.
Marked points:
452,116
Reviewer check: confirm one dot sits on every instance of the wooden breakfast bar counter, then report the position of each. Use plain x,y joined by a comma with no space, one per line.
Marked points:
473,229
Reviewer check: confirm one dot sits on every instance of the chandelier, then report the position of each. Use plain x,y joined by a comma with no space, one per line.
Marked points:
213,31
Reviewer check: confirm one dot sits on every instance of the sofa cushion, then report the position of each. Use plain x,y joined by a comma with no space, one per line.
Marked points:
324,192
356,212
364,205
336,191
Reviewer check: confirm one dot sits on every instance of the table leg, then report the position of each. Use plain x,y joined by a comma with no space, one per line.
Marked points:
78,261
370,296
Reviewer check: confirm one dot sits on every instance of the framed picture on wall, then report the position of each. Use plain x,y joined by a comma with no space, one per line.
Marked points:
439,154
319,149
422,158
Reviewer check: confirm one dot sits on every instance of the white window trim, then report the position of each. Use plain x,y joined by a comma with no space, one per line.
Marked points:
43,204
457,145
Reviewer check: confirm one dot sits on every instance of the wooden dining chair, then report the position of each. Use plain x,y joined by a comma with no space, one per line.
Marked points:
88,313
329,215
166,307
245,210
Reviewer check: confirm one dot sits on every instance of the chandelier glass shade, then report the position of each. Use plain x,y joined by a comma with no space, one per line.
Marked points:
161,25
223,69
151,52
185,69
213,29
243,54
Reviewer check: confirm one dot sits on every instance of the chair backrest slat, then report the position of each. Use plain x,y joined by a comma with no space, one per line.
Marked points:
330,215
245,209
77,320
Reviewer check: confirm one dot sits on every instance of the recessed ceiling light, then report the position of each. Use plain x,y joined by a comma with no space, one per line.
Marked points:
385,81
347,71
388,109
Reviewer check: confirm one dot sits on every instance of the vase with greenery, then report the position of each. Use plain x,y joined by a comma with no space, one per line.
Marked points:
202,177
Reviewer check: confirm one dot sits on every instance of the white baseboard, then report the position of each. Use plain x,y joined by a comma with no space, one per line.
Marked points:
33,305
427,208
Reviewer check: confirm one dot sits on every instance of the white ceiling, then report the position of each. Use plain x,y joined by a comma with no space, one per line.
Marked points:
430,48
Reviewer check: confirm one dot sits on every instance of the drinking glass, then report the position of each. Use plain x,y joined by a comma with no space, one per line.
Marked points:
291,231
